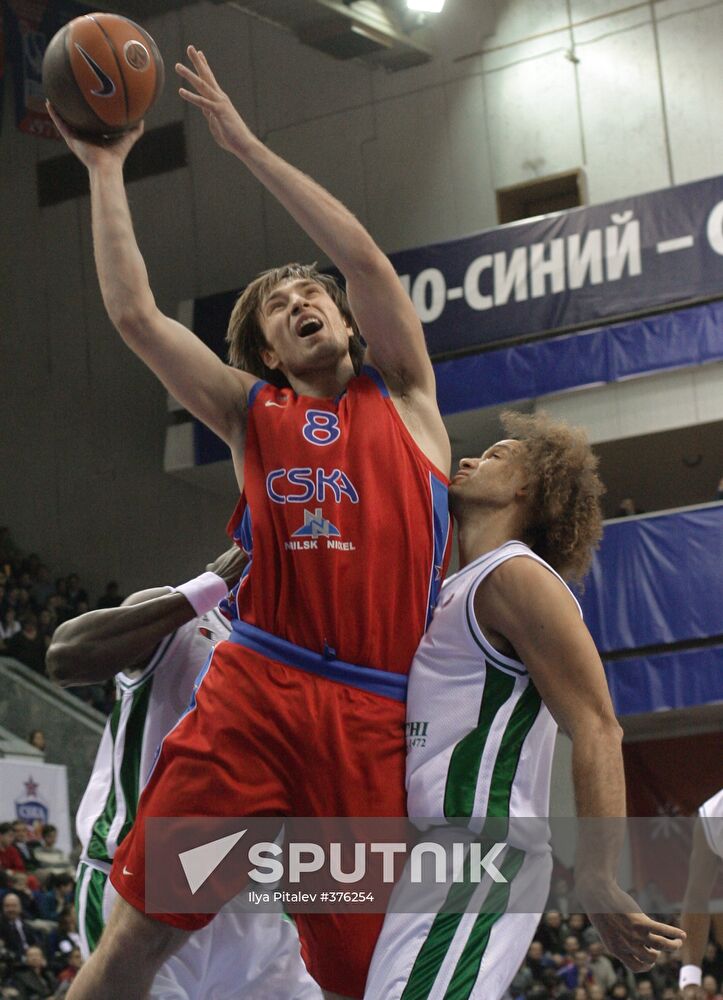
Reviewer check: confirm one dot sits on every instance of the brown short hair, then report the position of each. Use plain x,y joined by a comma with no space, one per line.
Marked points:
565,515
245,336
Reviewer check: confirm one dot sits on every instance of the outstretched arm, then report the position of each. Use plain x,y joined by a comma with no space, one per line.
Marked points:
695,918
528,606
381,307
199,380
95,646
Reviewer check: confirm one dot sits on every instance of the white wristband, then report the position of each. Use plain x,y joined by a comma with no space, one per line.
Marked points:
203,592
690,975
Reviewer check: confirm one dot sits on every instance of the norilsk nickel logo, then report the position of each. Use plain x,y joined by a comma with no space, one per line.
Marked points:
314,528
315,525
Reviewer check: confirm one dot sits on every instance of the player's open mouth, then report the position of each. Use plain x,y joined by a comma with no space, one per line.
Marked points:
308,326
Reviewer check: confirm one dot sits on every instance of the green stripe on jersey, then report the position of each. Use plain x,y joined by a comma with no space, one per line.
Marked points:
508,756
130,777
433,952
467,968
97,845
130,772
93,923
466,759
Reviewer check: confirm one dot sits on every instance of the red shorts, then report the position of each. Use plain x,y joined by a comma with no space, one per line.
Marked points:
268,739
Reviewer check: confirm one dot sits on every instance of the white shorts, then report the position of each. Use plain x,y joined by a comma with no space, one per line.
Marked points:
467,956
238,956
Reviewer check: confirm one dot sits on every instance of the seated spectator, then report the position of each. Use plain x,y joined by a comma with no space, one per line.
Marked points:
537,961
664,972
620,991
551,932
37,740
59,893
550,983
47,855
28,902
7,990
15,933
596,992
601,968
62,941
75,593
644,990
21,842
627,508
112,597
68,974
10,625
712,964
46,625
10,857
59,603
42,588
575,971
570,946
27,645
36,980
710,988
580,926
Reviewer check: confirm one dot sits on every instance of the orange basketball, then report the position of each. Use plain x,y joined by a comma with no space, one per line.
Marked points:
102,72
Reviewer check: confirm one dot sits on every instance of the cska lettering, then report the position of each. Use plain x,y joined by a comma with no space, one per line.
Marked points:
304,485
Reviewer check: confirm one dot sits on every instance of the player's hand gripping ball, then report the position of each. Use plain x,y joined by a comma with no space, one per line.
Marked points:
102,72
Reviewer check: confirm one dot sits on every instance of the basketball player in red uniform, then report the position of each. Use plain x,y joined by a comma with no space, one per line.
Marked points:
344,516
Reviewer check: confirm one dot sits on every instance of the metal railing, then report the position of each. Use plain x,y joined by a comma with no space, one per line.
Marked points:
72,729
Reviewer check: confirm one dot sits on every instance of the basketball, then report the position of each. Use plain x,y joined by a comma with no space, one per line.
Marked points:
102,72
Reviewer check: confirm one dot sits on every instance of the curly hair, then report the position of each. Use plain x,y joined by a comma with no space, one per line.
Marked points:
565,490
245,335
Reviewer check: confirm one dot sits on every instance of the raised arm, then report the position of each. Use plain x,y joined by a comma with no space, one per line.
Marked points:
528,606
196,377
381,307
95,646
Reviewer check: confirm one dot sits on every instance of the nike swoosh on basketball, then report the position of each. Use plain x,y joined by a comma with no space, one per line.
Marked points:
107,85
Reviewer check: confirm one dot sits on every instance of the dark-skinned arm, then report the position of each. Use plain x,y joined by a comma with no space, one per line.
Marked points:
532,610
95,646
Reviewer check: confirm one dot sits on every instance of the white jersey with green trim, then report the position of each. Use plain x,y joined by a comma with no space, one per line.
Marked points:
711,814
479,738
148,704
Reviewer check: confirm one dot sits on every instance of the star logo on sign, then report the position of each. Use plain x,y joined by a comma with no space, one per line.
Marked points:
31,787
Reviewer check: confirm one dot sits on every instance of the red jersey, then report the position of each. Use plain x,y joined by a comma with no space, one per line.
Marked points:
346,524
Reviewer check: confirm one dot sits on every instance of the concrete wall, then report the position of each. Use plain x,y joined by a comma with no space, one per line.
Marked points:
417,155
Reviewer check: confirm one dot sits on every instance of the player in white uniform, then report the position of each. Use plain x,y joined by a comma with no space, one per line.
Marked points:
506,660
705,863
162,644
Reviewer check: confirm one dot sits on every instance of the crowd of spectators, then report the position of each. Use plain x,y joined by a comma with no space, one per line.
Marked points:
39,942
567,961
33,602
